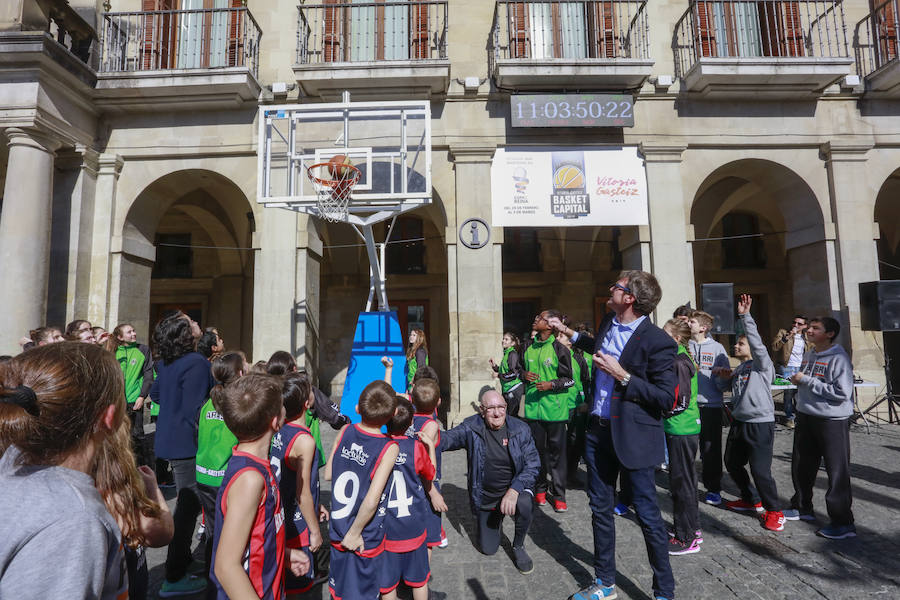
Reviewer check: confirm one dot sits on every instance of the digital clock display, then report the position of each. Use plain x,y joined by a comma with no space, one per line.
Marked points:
572,110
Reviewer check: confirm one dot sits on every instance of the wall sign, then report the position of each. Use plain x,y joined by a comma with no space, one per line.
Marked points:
568,187
572,110
474,233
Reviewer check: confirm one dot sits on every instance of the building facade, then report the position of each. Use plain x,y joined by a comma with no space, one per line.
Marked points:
768,131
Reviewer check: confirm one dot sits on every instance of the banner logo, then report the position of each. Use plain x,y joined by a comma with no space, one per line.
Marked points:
569,199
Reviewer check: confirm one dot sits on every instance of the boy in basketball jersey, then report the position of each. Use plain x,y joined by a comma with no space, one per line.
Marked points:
406,554
359,467
295,460
426,397
248,541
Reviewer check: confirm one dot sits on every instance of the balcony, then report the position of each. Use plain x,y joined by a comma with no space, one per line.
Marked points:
574,44
877,50
373,49
762,48
178,59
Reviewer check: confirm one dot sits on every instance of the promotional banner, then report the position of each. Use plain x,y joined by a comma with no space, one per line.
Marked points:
568,187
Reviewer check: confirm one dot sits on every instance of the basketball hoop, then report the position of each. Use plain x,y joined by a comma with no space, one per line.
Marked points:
333,182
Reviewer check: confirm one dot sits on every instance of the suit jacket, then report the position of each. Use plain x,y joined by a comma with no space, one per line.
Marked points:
636,410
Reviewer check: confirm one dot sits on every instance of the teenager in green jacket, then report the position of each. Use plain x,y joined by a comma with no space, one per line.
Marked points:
547,369
137,367
509,371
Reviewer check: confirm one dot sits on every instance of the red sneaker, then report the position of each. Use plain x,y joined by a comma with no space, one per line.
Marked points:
773,520
560,506
741,506
541,498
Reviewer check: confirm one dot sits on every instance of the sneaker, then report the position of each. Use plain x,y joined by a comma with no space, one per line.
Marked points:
201,531
698,535
596,591
790,424
185,586
621,509
773,520
541,498
743,506
794,514
444,541
713,498
522,561
677,548
837,532
560,506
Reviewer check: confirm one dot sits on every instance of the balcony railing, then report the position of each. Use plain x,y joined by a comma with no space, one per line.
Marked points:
180,39
760,28
877,40
371,31
571,29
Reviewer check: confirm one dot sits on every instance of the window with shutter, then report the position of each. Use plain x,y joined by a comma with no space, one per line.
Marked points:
236,35
781,29
420,46
518,30
704,29
158,43
606,43
332,25
885,17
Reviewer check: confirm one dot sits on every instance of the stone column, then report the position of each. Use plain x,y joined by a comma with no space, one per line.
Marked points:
274,273
110,165
308,294
671,255
475,284
853,211
634,244
25,234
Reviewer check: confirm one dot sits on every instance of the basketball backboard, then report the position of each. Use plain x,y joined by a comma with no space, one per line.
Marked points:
389,142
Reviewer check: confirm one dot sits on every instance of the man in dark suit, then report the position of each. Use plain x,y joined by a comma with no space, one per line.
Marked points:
634,382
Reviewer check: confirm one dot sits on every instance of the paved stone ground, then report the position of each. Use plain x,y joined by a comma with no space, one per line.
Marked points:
739,559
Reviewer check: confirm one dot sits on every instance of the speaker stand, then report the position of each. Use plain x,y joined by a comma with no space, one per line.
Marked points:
893,401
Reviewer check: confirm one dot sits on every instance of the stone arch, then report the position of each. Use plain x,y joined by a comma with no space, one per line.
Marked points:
777,244
220,219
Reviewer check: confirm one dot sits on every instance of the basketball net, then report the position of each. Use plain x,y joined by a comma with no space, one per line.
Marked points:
333,185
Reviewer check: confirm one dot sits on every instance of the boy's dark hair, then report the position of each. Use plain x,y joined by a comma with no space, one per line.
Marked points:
684,310
552,312
249,404
425,395
403,417
377,403
281,363
295,394
206,342
830,325
425,372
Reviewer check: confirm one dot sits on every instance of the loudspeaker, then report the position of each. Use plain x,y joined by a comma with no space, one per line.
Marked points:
879,305
718,300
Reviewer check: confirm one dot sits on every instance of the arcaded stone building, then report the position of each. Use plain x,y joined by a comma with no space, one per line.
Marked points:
768,132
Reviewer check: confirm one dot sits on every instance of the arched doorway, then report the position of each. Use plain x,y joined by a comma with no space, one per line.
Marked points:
758,225
186,244
887,216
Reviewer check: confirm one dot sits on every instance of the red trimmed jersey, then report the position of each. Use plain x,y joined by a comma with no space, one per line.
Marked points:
407,505
296,529
355,460
263,558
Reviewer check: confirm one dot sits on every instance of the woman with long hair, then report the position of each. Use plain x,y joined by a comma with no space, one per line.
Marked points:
509,371
416,355
183,382
137,368
76,326
70,492
45,335
281,363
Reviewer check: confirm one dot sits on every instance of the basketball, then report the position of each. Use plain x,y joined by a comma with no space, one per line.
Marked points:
336,165
568,177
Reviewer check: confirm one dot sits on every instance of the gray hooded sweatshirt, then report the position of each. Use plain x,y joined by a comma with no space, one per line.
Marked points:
751,380
826,389
707,355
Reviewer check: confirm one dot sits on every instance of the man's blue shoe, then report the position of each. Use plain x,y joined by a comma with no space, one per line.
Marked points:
620,509
837,532
713,498
596,591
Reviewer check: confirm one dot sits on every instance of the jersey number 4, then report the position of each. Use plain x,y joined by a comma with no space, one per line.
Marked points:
398,498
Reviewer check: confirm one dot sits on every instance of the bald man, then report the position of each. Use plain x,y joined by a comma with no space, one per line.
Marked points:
503,466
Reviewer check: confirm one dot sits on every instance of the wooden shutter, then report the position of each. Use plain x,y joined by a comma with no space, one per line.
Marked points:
605,39
236,34
886,31
704,29
419,31
331,34
159,37
517,16
781,31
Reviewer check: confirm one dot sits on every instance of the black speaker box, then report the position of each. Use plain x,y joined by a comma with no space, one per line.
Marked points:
718,300
879,305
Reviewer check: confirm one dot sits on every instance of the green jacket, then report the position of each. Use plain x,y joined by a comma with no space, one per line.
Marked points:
509,376
137,368
576,392
552,362
214,445
686,417
412,365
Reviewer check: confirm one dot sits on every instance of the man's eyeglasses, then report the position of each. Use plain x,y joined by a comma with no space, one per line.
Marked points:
800,323
494,408
619,286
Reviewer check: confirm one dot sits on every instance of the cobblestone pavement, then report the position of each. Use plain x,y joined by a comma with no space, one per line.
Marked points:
739,559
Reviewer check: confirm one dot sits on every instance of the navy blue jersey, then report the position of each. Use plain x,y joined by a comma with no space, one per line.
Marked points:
263,557
296,529
407,506
355,460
